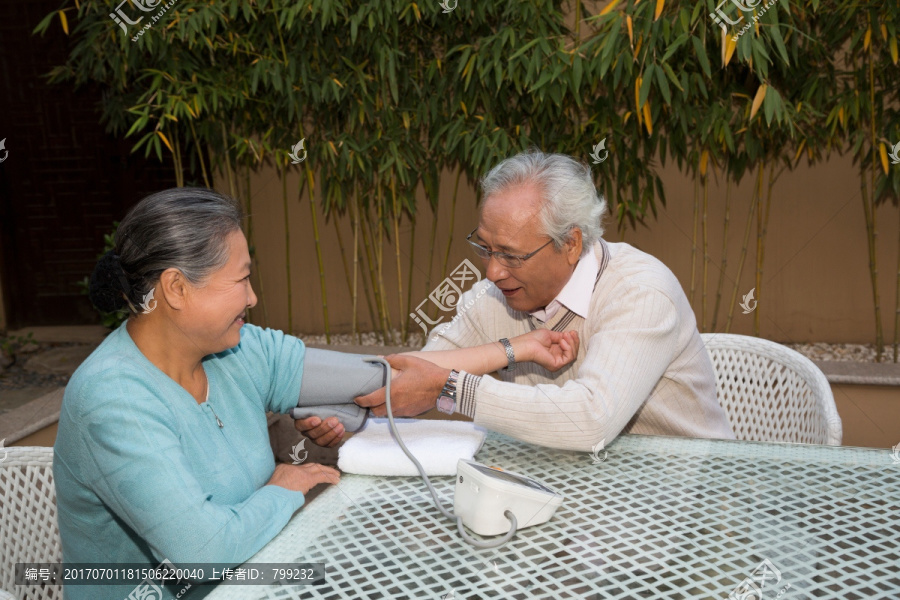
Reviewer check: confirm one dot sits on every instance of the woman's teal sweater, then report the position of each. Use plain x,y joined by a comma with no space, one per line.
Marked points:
145,474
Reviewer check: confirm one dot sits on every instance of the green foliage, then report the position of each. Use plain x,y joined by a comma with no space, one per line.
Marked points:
389,94
10,345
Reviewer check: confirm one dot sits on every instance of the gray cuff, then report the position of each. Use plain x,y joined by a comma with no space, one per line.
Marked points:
331,377
468,383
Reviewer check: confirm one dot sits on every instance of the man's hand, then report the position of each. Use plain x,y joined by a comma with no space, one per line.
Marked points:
551,349
414,391
326,434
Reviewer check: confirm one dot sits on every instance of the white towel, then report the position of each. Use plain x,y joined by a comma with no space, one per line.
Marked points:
438,445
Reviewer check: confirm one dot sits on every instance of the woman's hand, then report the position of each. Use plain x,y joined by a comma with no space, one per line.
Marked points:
551,349
302,478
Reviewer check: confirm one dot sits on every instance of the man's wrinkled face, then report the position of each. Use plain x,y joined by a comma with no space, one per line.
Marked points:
510,223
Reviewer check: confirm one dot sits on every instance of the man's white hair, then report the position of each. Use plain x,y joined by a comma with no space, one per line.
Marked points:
570,198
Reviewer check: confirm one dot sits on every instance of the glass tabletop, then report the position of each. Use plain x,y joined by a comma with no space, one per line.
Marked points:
648,517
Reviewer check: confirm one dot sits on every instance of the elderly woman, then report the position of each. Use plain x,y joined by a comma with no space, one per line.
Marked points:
163,451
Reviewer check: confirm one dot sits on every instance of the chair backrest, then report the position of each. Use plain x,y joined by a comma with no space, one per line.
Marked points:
772,393
29,532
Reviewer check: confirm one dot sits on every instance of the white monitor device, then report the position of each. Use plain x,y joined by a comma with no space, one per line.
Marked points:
484,493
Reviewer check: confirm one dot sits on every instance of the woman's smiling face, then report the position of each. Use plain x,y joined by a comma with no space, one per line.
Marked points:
215,312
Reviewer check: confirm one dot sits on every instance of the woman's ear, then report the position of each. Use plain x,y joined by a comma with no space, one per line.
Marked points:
173,288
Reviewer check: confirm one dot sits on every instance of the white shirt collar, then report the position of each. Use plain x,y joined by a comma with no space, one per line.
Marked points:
576,294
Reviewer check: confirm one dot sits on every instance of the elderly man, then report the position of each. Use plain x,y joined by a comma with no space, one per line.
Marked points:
641,366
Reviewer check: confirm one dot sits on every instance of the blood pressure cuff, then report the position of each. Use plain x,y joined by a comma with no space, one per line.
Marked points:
331,380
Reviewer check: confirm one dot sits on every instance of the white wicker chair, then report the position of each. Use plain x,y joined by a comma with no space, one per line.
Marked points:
29,531
772,393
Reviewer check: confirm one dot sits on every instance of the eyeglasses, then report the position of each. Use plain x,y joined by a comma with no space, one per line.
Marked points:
510,261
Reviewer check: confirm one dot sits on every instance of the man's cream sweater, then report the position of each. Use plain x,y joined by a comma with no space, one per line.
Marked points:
641,365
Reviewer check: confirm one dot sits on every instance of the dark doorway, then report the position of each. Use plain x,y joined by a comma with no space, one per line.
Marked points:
64,181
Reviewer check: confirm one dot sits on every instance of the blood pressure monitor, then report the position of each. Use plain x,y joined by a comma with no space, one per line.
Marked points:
484,493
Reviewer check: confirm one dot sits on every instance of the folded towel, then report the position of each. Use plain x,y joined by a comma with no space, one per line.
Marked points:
438,445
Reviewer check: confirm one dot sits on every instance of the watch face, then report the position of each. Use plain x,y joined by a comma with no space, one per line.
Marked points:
446,404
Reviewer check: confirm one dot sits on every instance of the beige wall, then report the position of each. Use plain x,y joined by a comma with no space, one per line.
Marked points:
816,285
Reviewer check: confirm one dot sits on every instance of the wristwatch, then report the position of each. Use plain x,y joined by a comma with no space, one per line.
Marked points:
510,357
446,402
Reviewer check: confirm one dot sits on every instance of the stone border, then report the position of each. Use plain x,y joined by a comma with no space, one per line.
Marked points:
21,422
860,373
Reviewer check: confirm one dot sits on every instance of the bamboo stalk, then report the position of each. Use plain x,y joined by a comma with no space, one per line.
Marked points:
409,280
452,226
873,236
287,247
340,239
229,172
577,22
404,316
869,211
762,248
694,241
199,153
354,213
431,244
724,250
753,202
249,234
385,313
705,253
320,261
897,297
372,255
179,167
357,206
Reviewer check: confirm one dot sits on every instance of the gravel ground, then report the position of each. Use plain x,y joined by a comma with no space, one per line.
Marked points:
843,352
366,339
15,376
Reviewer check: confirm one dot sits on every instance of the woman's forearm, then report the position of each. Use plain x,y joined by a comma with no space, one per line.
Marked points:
478,360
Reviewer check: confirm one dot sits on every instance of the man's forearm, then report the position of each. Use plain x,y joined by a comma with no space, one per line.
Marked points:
478,360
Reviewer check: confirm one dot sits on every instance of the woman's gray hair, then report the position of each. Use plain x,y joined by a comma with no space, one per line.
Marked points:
570,197
181,228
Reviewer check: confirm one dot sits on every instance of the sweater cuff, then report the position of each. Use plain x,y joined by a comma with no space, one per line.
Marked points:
293,500
468,385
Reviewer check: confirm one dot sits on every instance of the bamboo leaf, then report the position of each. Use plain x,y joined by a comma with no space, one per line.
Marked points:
663,85
165,139
701,55
775,33
64,21
637,93
884,159
758,100
648,121
646,81
609,7
770,104
671,75
674,46
659,9
893,45
730,47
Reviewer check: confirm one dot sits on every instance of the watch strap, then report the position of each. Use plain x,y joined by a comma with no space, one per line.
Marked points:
510,355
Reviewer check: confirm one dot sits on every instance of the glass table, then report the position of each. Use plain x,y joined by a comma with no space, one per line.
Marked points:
650,517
